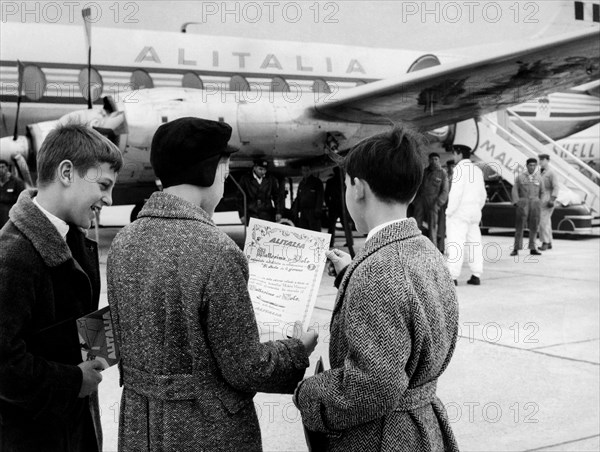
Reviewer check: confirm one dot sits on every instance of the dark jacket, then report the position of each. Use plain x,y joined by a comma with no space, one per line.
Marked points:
528,186
433,191
191,358
9,192
310,195
263,200
393,331
43,290
333,195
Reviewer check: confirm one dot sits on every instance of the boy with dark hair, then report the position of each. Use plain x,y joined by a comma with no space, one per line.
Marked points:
395,320
49,277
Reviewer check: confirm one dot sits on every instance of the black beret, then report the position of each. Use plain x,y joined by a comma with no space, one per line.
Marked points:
544,157
188,150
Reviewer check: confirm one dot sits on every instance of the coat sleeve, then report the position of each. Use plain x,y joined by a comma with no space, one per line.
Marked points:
372,381
240,197
515,190
277,195
40,387
246,363
542,188
481,191
456,192
443,197
320,194
555,186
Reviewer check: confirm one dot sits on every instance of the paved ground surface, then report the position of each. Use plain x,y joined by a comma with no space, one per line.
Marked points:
526,371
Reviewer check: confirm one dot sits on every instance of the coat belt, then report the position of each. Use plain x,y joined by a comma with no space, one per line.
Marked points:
417,397
164,387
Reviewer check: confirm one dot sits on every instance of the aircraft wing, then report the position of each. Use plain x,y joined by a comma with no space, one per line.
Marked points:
454,92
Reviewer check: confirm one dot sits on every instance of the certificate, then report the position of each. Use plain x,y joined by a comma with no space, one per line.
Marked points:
286,265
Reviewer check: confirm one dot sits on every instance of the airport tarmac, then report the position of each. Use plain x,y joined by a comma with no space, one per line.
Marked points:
526,370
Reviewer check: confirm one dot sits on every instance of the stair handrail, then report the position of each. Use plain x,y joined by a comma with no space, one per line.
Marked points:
579,162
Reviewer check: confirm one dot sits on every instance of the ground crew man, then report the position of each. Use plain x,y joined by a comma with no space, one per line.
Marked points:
527,194
432,195
263,196
463,215
308,204
550,194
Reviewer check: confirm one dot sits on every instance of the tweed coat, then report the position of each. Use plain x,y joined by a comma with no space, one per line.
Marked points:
393,331
191,360
45,284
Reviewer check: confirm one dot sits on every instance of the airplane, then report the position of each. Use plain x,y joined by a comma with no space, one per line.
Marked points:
584,145
294,103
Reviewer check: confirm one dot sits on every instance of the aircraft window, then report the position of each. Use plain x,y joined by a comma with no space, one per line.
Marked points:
97,83
360,83
279,85
141,79
321,86
238,83
191,80
34,82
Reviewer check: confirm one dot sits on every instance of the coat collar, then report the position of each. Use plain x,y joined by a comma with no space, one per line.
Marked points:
38,229
395,232
166,205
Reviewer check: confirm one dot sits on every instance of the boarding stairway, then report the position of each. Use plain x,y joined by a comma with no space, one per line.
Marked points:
505,141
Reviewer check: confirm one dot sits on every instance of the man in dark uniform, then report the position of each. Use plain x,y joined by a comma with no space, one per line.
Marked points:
333,201
263,196
442,213
527,193
308,204
433,194
10,188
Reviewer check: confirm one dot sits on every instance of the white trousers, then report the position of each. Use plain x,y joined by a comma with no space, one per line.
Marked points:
545,230
463,237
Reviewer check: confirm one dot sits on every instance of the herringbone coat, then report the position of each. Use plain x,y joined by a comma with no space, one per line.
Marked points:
393,331
191,360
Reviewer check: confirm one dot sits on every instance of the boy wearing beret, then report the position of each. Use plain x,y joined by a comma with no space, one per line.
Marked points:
191,359
395,320
49,277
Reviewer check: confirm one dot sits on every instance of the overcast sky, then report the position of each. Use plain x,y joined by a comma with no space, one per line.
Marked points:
398,24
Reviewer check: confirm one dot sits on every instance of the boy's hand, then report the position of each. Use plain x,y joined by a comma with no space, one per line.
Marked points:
91,377
339,259
309,339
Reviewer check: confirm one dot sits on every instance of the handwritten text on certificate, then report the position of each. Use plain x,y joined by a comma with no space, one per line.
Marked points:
286,266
